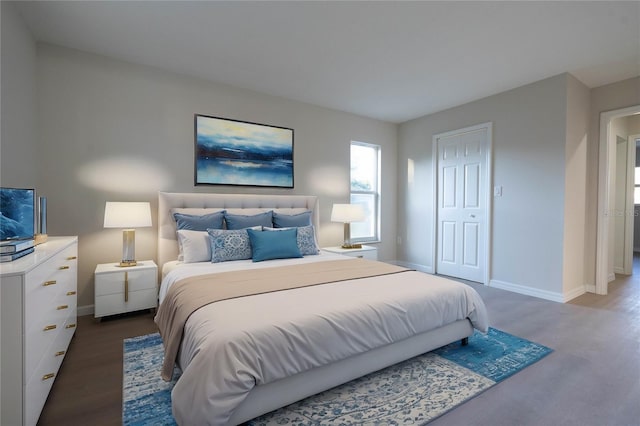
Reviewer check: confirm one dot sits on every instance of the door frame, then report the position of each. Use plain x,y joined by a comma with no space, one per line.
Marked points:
488,126
606,181
629,205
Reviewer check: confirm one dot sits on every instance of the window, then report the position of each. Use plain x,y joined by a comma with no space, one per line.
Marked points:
365,190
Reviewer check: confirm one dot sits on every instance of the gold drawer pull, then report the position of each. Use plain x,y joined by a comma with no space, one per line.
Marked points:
63,267
59,353
50,327
48,376
70,326
61,307
126,286
72,257
71,293
47,283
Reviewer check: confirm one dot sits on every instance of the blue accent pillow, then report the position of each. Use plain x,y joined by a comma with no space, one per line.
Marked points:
199,223
229,245
239,221
291,220
306,239
274,245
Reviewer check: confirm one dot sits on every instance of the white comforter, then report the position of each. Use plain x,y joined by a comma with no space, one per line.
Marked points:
233,345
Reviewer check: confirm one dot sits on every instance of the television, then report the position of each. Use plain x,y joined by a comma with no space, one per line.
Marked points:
17,214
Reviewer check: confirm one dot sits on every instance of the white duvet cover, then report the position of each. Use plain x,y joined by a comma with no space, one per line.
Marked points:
233,345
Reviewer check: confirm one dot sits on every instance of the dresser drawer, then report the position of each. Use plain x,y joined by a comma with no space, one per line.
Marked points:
44,334
44,374
47,285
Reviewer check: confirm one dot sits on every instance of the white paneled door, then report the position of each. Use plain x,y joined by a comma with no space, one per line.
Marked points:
462,203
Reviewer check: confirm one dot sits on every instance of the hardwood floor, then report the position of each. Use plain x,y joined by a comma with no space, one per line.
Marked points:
591,378
88,389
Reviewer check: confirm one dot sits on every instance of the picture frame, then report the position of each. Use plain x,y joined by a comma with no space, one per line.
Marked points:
235,152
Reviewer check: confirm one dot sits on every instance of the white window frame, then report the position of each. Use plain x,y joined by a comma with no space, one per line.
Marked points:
376,194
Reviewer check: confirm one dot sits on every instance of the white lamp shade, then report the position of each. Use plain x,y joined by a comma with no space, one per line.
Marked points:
347,213
127,214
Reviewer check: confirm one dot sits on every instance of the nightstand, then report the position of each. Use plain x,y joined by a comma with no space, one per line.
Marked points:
366,252
125,289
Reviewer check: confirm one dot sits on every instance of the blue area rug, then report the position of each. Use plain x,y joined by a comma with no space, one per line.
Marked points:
413,392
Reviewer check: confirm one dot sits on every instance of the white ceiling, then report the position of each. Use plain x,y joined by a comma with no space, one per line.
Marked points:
392,60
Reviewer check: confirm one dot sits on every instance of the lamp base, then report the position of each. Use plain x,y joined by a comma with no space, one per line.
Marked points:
128,248
351,246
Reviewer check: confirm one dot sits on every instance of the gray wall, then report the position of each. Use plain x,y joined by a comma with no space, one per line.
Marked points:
115,131
18,85
577,123
18,108
529,135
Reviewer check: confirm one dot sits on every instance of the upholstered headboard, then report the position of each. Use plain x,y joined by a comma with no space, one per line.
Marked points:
195,203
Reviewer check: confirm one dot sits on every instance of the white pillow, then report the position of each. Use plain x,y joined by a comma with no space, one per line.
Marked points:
194,246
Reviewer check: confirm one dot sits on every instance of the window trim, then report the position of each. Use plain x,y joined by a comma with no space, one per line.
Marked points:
375,238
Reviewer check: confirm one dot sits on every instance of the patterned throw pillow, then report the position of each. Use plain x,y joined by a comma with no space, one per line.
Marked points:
229,245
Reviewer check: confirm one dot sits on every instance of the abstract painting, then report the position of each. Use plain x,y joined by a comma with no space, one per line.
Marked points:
233,152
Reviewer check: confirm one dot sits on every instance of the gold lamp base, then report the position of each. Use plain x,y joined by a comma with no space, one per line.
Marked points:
347,238
351,246
128,248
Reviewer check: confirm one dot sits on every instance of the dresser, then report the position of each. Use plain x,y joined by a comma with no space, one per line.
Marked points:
125,289
38,295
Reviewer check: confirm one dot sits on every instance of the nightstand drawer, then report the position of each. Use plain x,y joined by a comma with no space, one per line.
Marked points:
114,282
365,252
112,304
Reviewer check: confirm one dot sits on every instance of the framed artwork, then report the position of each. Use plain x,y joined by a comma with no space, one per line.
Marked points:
233,152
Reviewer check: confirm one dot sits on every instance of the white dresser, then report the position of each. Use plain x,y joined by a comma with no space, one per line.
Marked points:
38,295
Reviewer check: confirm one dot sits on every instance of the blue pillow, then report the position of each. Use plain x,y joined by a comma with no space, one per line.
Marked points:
239,221
306,239
291,220
274,245
199,223
229,245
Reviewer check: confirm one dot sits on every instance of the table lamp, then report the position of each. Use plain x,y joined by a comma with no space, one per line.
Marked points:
127,215
347,213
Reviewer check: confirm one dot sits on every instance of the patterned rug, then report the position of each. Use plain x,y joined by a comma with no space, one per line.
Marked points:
413,392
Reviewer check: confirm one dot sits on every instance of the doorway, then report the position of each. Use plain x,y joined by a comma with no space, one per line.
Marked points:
463,198
607,197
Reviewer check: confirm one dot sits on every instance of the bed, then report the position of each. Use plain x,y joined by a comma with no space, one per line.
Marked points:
245,356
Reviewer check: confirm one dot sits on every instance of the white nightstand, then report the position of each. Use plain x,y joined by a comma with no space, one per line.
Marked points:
125,289
367,252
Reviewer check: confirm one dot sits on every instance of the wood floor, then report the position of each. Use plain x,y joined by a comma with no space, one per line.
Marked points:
591,378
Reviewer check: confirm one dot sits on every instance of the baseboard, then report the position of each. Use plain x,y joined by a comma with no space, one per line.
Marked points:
572,294
590,288
611,276
617,270
85,310
416,266
542,294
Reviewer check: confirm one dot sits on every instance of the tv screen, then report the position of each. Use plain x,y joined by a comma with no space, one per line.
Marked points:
17,213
